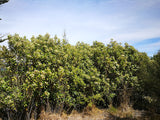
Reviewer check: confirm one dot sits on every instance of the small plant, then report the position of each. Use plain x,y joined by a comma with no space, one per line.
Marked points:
112,109
120,113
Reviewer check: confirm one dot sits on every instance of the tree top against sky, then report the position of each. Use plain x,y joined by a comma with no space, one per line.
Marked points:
3,1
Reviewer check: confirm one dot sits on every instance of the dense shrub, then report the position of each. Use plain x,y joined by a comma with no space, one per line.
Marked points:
49,73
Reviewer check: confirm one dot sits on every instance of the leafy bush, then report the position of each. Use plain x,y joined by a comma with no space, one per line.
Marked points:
50,73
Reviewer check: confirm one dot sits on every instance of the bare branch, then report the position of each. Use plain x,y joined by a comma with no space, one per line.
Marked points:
1,38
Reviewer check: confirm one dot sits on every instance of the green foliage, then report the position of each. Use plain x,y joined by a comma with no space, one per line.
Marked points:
45,71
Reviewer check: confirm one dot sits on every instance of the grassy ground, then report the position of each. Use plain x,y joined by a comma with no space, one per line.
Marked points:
102,114
94,113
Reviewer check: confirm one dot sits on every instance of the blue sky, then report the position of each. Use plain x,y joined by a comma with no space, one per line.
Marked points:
136,22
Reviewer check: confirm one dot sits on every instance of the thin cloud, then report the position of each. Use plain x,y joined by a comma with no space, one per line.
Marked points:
84,20
151,48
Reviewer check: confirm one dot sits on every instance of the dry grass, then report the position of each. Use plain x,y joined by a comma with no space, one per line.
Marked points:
89,113
93,113
122,112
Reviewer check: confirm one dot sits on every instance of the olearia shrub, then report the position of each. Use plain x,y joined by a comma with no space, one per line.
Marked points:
49,73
